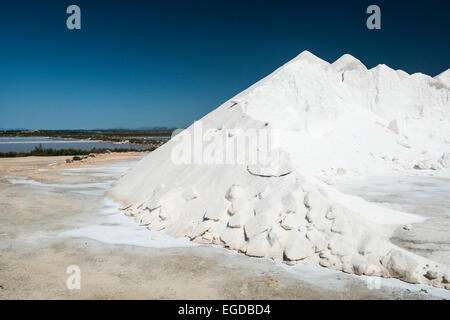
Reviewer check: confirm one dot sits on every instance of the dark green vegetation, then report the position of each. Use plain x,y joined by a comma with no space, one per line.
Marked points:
39,151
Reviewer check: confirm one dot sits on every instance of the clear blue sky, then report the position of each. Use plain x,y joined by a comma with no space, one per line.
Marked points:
168,63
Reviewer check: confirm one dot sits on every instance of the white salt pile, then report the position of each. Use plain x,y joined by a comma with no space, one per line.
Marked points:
332,121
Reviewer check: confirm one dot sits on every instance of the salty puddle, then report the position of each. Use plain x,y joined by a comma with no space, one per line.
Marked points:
103,222
113,227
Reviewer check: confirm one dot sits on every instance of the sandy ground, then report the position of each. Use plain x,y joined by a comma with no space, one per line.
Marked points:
46,168
46,227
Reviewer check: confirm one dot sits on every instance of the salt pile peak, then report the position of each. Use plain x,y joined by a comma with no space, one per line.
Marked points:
444,77
348,62
333,121
310,58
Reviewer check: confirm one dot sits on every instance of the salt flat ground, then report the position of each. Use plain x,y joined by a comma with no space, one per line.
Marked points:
47,225
426,193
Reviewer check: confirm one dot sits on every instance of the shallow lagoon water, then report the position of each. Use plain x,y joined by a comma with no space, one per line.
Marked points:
28,144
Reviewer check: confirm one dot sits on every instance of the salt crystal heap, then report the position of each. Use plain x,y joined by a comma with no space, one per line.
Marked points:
334,121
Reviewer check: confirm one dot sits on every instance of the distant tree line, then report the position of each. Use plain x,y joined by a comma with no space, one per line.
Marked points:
158,137
39,151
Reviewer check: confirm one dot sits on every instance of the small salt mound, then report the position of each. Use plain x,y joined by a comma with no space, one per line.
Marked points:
347,63
402,74
444,77
330,119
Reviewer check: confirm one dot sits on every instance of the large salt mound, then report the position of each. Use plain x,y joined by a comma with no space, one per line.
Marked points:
333,121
